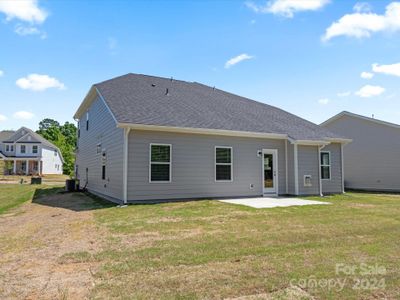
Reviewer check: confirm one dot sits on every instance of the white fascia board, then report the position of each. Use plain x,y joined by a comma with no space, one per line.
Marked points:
339,140
203,131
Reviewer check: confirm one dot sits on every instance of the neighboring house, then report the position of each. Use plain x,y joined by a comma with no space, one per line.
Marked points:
24,152
150,138
372,160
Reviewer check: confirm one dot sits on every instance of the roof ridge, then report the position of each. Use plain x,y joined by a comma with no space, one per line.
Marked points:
145,75
351,114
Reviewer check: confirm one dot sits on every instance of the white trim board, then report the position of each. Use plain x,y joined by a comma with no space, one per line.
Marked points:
349,114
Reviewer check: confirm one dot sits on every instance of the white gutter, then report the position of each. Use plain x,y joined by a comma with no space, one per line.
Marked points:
125,165
203,131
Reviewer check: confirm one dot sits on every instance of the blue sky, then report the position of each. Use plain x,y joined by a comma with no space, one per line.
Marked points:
303,56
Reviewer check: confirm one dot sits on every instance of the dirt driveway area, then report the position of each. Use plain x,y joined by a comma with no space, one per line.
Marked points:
34,238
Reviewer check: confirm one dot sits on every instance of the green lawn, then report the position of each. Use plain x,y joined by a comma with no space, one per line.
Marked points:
209,249
12,195
214,250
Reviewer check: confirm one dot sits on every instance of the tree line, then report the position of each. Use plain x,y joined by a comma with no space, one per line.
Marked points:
64,137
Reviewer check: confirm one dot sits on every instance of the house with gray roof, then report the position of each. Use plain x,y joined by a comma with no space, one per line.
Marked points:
150,138
372,160
24,152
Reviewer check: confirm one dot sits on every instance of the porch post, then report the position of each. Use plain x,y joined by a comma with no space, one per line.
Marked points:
15,167
27,167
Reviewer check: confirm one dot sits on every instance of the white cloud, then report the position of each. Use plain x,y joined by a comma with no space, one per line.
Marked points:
362,24
344,94
368,91
323,101
362,7
237,59
25,10
393,69
23,115
29,30
3,118
287,8
366,75
1,73
37,82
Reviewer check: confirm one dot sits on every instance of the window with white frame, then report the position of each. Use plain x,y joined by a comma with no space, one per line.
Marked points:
223,164
35,149
160,163
325,165
23,149
87,121
7,148
12,148
98,148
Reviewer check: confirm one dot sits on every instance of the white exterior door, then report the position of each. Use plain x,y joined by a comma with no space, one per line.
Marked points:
270,171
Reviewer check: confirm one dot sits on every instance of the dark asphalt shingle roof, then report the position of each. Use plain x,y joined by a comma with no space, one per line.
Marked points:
142,99
5,134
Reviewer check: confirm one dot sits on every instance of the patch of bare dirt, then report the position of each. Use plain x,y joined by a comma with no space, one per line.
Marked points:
33,240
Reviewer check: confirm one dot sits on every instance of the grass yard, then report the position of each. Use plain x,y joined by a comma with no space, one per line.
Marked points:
207,249
12,195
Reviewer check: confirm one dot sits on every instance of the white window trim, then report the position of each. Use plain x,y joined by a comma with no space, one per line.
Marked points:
20,149
330,165
161,163
222,164
7,148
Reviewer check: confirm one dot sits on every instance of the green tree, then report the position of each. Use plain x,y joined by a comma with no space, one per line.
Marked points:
64,137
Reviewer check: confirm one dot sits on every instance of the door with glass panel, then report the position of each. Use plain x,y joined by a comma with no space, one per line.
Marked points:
270,172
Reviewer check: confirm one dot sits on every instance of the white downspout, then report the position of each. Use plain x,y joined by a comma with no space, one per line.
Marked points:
319,169
286,169
125,166
341,158
296,171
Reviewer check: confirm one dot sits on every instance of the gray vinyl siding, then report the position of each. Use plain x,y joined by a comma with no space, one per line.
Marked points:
308,165
333,185
372,159
193,166
103,130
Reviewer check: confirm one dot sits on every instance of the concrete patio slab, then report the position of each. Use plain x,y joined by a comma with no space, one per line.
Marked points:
269,202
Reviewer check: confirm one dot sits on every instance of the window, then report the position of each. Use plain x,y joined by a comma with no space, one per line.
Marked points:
87,121
34,149
223,164
12,148
98,148
23,148
55,152
7,147
79,130
103,172
325,165
160,163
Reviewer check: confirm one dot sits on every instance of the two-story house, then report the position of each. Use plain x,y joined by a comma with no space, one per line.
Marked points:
24,152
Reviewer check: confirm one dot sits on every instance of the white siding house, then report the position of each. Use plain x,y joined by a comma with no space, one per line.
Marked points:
24,152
